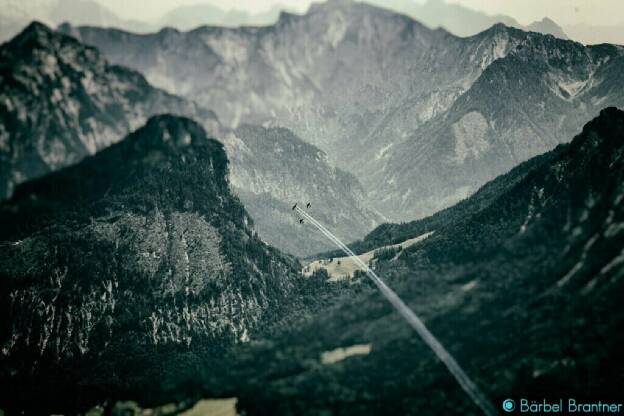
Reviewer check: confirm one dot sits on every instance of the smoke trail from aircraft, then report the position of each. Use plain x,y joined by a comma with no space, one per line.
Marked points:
454,368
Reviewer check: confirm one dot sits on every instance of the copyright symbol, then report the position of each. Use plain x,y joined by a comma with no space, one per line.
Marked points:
509,405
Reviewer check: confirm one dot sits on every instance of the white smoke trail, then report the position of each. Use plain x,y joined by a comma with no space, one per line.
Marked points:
462,378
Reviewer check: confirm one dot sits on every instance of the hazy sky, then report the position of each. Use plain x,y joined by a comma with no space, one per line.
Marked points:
152,9
596,12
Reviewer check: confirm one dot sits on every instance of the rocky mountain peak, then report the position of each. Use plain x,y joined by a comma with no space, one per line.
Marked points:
172,132
34,31
171,149
548,26
37,37
498,29
53,54
605,130
168,31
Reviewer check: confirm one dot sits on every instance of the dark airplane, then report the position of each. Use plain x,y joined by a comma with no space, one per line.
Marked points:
294,206
301,221
308,205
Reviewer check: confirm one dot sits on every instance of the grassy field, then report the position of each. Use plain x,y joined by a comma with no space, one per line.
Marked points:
343,267
213,407
206,407
339,354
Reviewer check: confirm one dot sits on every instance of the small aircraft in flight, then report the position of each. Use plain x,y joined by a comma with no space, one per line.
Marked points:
294,207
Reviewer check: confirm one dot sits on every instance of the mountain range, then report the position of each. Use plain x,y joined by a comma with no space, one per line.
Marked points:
457,19
62,101
413,115
16,15
549,85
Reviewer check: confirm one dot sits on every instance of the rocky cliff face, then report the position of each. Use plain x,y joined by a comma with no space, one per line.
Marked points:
421,117
139,250
61,101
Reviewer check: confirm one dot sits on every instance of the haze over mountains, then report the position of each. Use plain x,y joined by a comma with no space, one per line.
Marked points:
15,15
457,19
417,125
460,20
195,15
